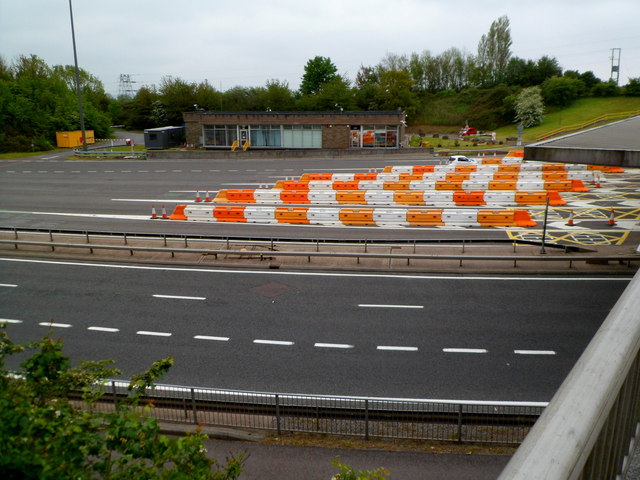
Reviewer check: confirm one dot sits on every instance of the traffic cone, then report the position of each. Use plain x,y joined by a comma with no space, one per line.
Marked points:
612,219
198,199
207,198
164,213
570,221
153,212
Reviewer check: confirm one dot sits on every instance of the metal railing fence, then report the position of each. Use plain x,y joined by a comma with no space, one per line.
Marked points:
458,421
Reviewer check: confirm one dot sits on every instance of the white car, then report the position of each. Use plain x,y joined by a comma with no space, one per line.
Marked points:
461,160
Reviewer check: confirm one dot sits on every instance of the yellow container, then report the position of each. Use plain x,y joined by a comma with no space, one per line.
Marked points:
74,138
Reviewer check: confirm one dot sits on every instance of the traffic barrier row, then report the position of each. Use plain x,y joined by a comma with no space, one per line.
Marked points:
390,197
355,216
452,183
529,167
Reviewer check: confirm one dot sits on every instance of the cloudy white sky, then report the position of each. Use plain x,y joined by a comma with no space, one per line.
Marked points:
246,43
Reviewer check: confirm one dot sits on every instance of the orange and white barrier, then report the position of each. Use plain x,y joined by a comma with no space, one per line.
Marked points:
432,197
412,217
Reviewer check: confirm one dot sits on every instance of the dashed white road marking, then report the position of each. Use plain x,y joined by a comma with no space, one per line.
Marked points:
272,342
8,285
208,337
9,320
465,350
371,305
53,324
104,329
179,297
332,345
397,348
534,352
155,334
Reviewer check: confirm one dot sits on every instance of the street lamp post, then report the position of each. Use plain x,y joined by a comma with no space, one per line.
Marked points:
78,90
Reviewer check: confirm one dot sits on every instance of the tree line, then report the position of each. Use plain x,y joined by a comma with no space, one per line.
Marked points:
434,89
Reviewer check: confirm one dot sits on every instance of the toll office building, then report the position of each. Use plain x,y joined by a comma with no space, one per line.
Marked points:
315,131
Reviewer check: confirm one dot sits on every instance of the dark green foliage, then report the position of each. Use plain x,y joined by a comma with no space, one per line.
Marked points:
46,436
605,89
561,91
317,71
633,87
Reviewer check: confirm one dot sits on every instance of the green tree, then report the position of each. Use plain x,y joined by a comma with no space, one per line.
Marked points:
317,71
561,91
632,89
529,107
494,52
605,89
46,436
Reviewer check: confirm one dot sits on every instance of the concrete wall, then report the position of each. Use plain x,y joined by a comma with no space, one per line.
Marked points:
620,158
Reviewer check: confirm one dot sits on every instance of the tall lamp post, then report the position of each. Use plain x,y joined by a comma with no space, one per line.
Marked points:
78,90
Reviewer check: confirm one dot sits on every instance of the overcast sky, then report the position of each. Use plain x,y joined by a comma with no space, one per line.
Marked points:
248,42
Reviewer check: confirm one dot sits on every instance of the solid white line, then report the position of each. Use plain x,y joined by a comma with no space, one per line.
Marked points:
178,297
9,320
103,329
332,345
272,342
534,352
366,305
399,349
309,274
464,350
50,324
207,337
157,334
8,285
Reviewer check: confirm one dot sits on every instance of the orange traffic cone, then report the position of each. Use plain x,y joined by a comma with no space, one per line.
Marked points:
153,212
570,221
207,198
612,219
198,199
164,213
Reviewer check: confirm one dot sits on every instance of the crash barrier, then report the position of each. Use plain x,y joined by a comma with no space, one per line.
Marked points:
390,197
366,417
505,165
355,216
591,426
444,181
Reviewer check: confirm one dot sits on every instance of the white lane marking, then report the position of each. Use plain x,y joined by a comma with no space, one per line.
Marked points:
8,285
27,171
106,171
53,324
332,345
104,329
301,274
465,350
92,171
155,334
272,342
9,320
143,171
534,352
215,339
179,297
196,171
370,305
397,348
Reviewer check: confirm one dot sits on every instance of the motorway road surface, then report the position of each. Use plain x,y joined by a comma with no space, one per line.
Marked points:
411,336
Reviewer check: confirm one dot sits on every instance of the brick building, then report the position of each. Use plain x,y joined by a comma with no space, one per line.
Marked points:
295,130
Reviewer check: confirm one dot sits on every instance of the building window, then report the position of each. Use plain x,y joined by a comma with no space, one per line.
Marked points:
220,135
302,136
375,136
265,135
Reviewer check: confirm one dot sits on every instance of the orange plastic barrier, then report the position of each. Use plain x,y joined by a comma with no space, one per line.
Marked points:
178,213
351,197
365,176
512,176
510,167
221,197
466,168
295,196
445,185
292,184
424,218
229,214
356,216
410,176
503,185
505,218
408,197
457,176
534,198
316,176
423,169
345,185
404,185
241,196
469,198
605,168
516,153
291,215
491,161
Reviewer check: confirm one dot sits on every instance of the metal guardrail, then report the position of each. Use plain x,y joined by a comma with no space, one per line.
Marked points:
590,123
271,254
460,421
105,152
592,423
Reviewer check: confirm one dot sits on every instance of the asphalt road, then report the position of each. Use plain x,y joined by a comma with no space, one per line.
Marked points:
417,336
